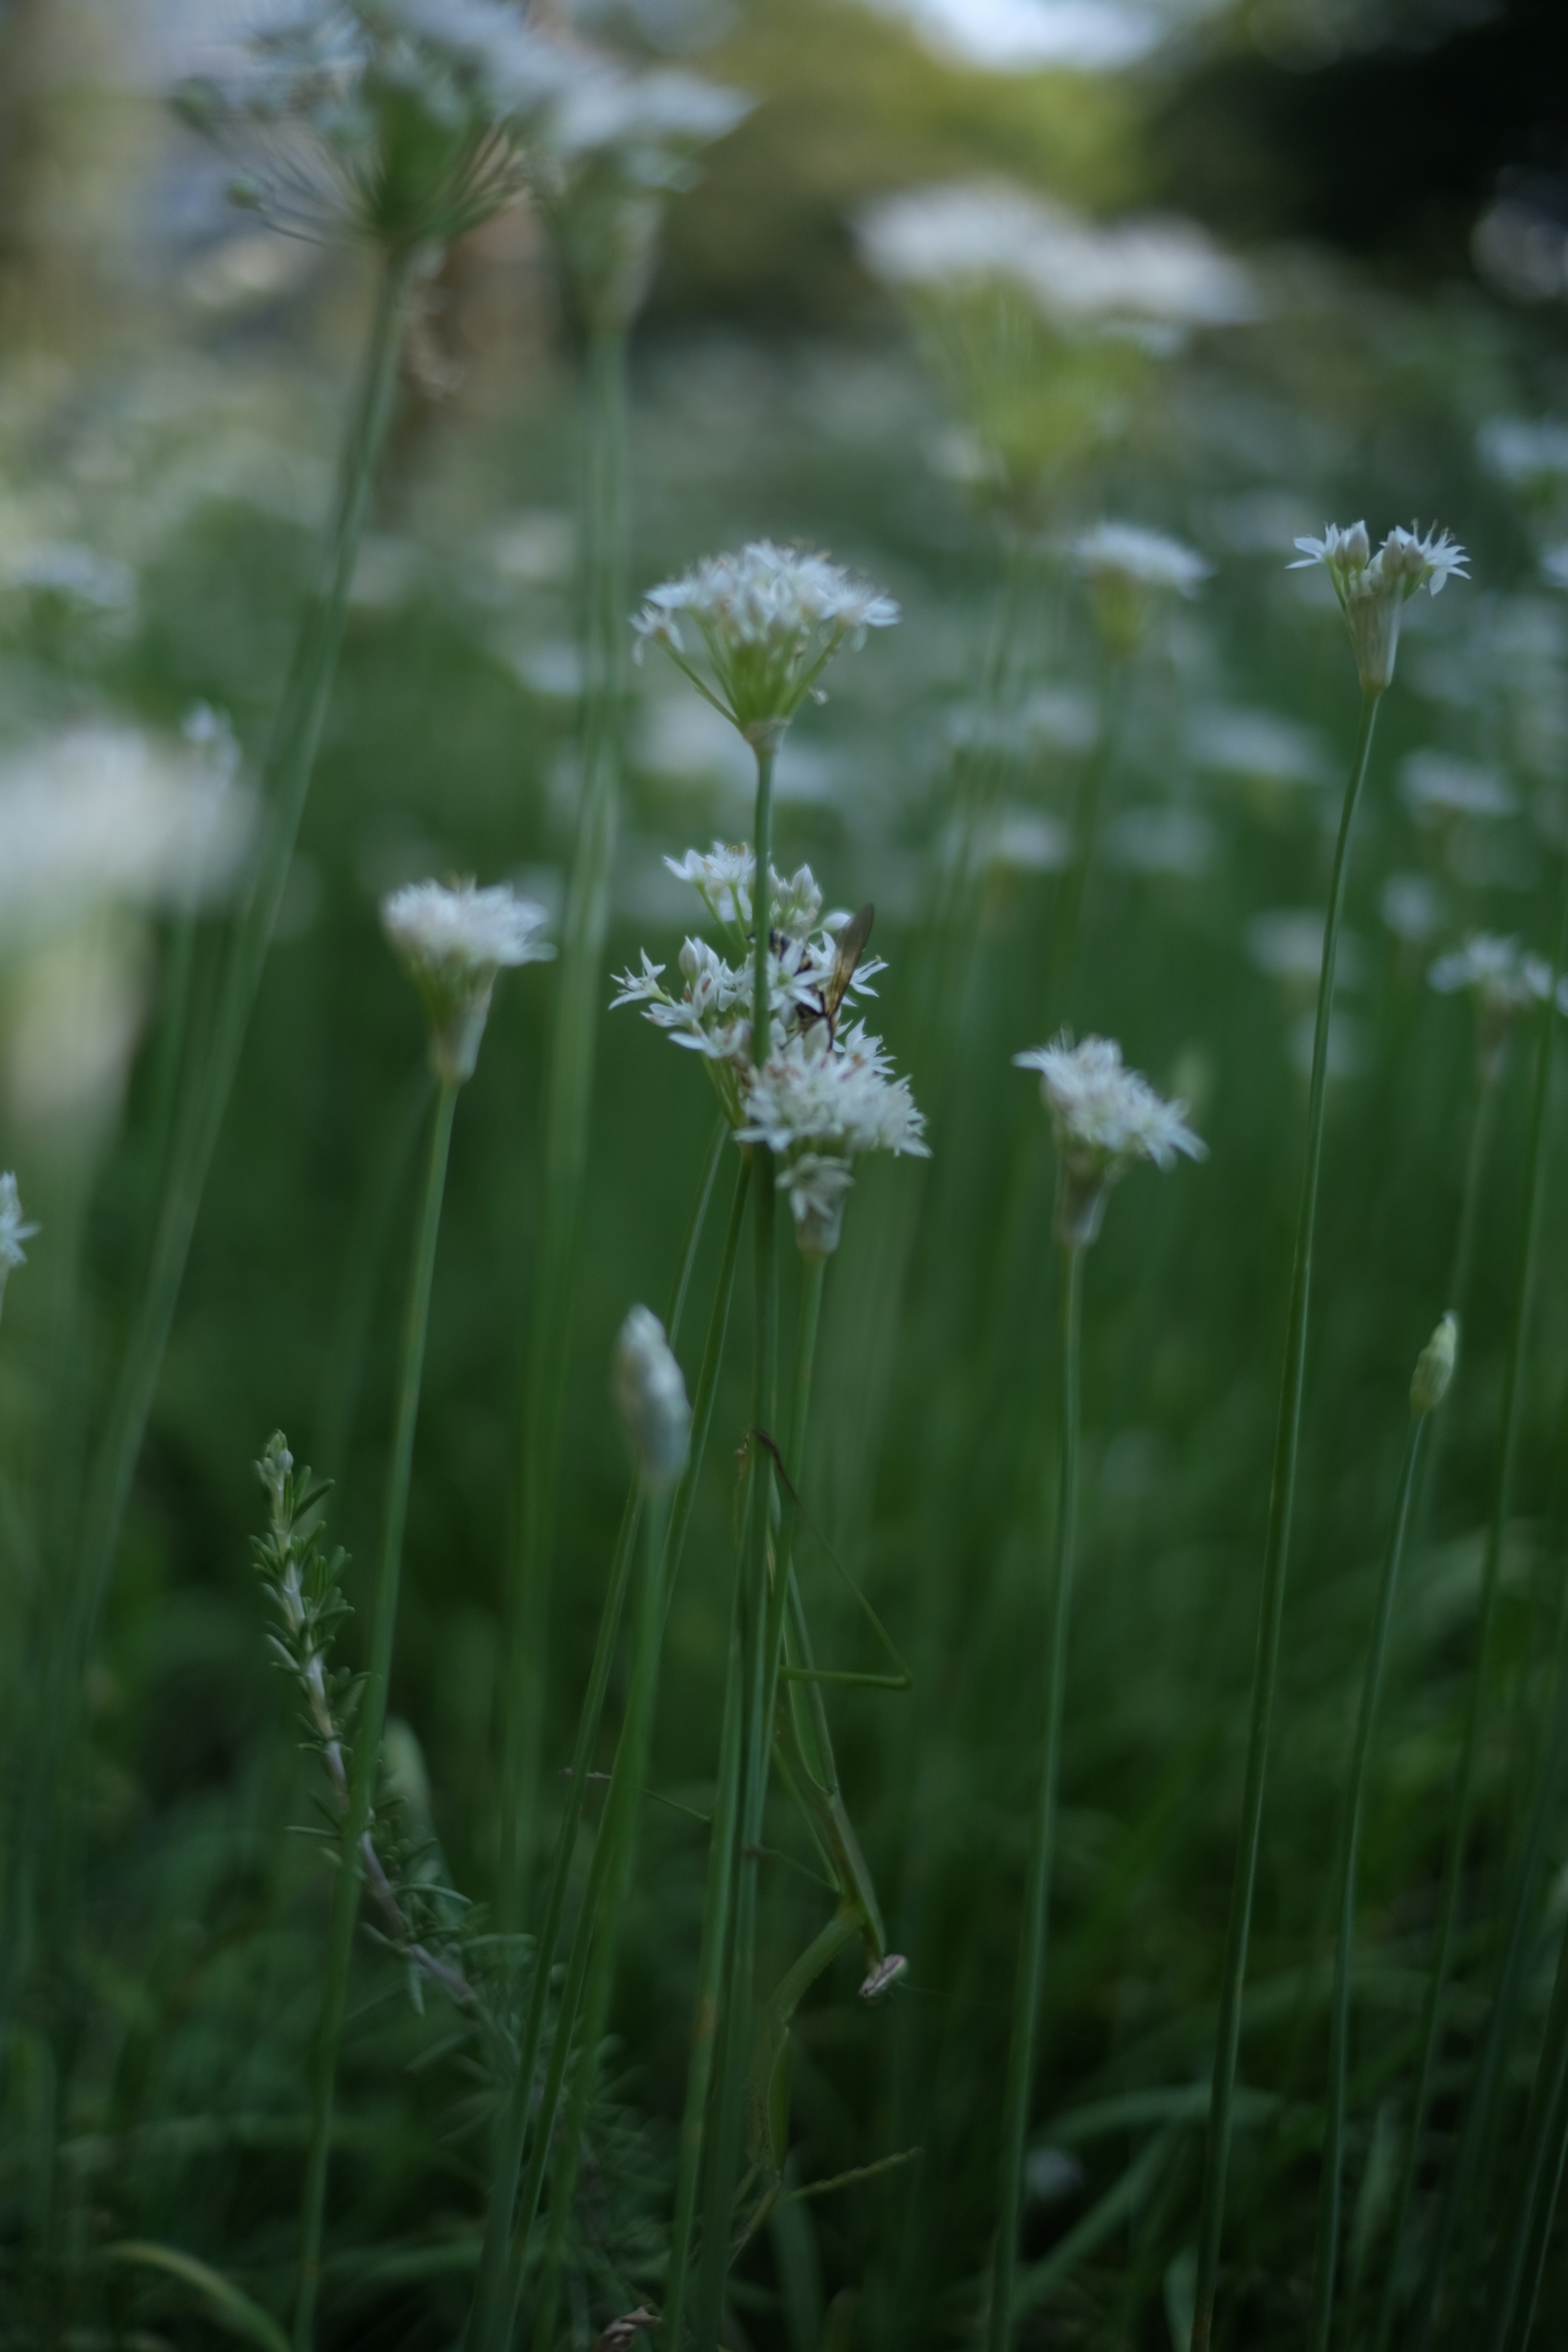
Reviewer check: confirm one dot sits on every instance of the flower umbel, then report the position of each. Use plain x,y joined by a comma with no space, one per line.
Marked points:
1373,590
817,1103
1106,1118
650,1397
14,1230
453,939
770,619
1127,567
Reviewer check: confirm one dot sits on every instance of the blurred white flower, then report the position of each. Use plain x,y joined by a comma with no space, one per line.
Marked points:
1287,942
1146,559
1412,906
1106,1118
1527,454
1434,784
771,619
1004,36
1503,975
1372,590
1162,272
75,574
1554,566
14,1231
100,813
74,1011
453,939
1260,745
650,1397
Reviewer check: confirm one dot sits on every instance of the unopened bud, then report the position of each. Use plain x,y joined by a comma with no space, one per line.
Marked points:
650,1397
1435,1367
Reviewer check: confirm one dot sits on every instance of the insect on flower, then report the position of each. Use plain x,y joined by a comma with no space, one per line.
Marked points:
847,950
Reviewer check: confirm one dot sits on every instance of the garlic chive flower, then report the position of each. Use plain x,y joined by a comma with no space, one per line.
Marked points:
1106,1118
615,146
1127,567
1373,590
453,939
403,123
770,620
1435,1368
14,1230
1505,980
818,1104
650,1397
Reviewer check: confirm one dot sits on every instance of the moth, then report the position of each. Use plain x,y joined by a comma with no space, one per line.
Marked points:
847,950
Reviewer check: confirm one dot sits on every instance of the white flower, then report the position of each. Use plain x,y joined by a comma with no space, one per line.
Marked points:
1527,454
724,878
770,618
1503,977
1434,784
454,938
1146,559
1126,567
14,1230
1106,1118
651,118
818,1104
1373,590
650,1397
1164,272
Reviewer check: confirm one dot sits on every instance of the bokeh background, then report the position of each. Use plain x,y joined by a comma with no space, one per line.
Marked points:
1351,223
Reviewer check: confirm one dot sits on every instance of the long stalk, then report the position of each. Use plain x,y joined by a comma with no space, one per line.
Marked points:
616,1841
1024,2034
1491,1577
370,1723
1330,2181
1276,1563
492,2299
286,779
569,1100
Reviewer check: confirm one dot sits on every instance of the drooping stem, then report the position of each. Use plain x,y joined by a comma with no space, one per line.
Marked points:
1024,2034
735,2040
1330,2184
1276,1563
492,2297
285,783
370,1723
568,1102
1491,1578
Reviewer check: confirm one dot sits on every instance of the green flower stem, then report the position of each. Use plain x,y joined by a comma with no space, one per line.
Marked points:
492,2299
569,1099
1271,1603
1088,810
286,779
369,1724
604,1907
724,2141
1023,2038
716,1900
1329,2191
1491,1578
1539,2180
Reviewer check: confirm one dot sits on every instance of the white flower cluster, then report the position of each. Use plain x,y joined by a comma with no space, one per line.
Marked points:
1373,590
1126,567
1505,980
825,1093
650,1396
1163,274
14,1230
770,618
1106,1118
453,939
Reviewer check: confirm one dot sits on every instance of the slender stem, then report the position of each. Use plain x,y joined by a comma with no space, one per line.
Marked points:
569,1099
286,779
370,1724
724,2147
1546,2156
1470,1741
1023,2038
1491,1578
1329,2191
616,1841
1088,810
491,2296
710,1983
1271,1602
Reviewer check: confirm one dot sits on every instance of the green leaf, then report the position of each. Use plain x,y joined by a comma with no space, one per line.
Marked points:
227,2303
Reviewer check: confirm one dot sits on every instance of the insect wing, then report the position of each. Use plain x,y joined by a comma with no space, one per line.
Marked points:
847,950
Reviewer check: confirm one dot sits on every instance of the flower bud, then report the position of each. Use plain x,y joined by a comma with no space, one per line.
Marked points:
650,1397
1435,1367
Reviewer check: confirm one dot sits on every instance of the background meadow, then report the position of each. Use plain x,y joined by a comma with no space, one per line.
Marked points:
171,381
